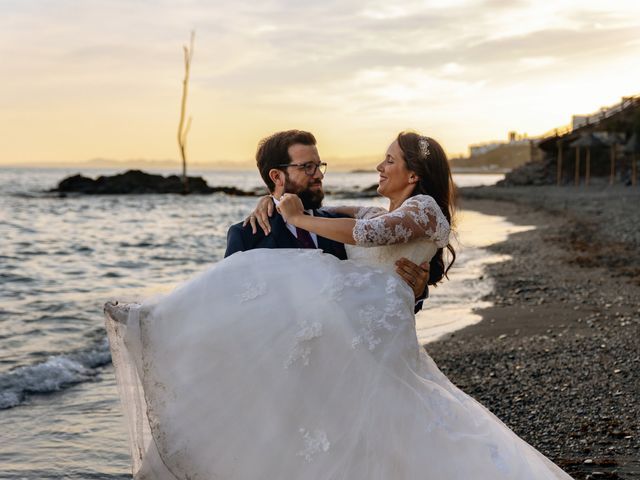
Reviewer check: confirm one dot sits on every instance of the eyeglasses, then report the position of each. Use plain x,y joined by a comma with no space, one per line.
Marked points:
309,167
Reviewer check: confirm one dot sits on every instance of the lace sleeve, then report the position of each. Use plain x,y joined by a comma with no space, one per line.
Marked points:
418,217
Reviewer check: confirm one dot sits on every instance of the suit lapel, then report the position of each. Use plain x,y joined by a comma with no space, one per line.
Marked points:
331,247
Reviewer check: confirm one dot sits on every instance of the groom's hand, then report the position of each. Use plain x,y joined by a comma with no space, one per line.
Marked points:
416,276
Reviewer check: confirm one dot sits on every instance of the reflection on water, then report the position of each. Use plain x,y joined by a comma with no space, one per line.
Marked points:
62,258
453,304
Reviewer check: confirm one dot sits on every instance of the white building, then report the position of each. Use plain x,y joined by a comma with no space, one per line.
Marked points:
482,148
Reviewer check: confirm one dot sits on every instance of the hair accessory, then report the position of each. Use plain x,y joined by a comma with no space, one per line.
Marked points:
423,144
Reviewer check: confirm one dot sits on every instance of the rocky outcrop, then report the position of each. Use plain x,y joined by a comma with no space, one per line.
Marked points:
531,173
139,182
357,192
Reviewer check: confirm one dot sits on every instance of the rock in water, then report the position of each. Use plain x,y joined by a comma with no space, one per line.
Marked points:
139,182
76,183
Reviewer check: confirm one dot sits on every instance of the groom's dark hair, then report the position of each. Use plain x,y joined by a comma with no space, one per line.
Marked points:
274,151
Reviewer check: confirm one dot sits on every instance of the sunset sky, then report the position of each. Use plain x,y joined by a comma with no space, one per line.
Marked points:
102,78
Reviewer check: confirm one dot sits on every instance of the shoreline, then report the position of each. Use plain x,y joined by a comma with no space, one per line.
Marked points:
556,355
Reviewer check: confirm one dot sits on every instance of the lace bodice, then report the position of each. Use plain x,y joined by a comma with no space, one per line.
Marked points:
415,230
385,256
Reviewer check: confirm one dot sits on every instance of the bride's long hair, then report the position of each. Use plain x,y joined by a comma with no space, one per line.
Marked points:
433,170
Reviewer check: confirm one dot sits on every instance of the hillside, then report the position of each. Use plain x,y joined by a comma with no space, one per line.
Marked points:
503,157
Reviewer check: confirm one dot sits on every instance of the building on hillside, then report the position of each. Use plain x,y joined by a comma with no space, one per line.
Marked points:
497,156
483,148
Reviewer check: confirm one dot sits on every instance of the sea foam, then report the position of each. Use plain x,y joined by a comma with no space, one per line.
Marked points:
55,373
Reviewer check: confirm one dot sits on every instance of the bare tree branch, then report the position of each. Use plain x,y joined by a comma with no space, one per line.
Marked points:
182,130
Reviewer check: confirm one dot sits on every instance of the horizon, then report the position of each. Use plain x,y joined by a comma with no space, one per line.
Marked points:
89,169
361,73
141,163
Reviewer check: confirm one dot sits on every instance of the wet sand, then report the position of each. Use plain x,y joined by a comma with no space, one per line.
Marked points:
557,355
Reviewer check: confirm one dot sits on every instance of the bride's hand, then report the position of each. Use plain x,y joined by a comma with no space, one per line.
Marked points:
290,207
261,215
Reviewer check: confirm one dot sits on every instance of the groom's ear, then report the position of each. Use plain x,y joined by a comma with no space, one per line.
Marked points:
277,177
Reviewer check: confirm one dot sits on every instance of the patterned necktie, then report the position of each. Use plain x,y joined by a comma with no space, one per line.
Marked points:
304,238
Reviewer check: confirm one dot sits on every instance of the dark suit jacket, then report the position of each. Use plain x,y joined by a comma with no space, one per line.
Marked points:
240,239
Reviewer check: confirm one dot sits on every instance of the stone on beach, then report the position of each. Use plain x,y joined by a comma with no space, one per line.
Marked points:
568,381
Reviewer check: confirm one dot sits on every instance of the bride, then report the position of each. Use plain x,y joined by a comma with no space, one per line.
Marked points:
290,364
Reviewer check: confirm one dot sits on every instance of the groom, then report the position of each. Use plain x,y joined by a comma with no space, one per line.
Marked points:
289,163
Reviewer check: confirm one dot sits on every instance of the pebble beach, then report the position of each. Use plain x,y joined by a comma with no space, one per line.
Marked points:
556,356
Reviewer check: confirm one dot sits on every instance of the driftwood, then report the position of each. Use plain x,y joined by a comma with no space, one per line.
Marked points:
183,129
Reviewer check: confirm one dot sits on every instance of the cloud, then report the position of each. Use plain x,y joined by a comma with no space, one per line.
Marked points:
359,61
559,43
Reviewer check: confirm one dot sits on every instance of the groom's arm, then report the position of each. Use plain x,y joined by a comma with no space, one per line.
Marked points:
435,272
235,240
240,239
420,300
417,277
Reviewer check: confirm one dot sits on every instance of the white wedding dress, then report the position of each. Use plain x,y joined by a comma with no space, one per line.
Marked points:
293,365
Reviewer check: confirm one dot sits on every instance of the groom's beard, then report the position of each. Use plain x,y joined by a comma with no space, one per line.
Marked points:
311,199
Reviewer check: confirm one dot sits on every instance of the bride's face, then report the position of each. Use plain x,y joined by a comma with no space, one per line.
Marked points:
395,180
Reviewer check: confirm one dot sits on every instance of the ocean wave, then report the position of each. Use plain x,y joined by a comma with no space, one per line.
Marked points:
56,373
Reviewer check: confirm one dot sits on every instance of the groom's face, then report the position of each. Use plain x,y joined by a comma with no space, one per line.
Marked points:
307,187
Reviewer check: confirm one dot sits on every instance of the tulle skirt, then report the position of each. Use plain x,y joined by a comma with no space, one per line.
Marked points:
294,365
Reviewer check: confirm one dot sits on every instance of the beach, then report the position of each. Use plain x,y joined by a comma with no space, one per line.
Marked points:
556,356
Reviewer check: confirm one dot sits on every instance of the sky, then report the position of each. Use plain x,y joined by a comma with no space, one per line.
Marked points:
103,78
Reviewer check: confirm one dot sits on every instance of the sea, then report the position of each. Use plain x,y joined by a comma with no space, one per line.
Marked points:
62,258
